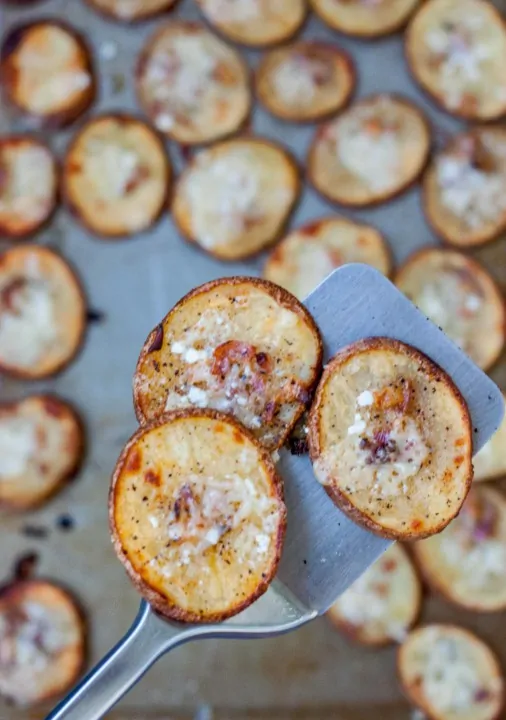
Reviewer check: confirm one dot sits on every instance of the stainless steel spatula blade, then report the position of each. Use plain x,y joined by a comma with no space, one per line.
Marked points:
324,551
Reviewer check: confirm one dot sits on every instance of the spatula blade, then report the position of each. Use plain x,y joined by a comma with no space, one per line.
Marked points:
324,550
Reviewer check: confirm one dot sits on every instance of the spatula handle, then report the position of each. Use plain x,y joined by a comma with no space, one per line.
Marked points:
120,669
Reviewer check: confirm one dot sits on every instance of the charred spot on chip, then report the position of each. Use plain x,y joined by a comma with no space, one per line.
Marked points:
151,477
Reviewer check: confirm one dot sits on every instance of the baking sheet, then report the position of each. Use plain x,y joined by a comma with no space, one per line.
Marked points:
133,283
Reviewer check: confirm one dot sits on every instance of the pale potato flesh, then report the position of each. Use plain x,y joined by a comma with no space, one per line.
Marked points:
363,18
490,462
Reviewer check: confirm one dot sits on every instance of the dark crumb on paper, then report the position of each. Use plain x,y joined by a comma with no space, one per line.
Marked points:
36,532
117,83
95,316
65,523
24,567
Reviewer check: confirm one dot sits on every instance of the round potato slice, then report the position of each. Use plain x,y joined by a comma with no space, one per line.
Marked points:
365,19
131,10
46,71
467,561
28,185
464,188
370,153
193,86
42,312
116,176
42,642
450,674
381,606
307,255
459,295
490,462
456,50
41,446
240,345
235,198
305,81
255,22
390,439
197,515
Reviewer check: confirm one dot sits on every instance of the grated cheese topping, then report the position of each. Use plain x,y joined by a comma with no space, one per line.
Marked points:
180,74
461,55
29,189
369,150
18,443
372,600
296,78
112,165
225,195
234,11
450,680
53,65
474,196
37,636
28,327
206,510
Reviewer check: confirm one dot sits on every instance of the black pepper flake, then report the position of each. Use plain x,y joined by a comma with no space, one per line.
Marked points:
65,522
95,316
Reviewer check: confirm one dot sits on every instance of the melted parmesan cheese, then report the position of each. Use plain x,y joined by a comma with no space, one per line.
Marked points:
450,681
474,196
371,600
224,195
111,167
373,156
213,508
234,11
461,53
294,81
180,75
30,183
18,443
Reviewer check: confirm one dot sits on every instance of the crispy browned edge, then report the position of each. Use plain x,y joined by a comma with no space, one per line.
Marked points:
349,69
425,707
9,47
354,632
400,100
475,267
25,374
13,591
110,15
159,603
372,35
477,239
412,67
4,228
430,368
57,404
280,295
139,71
122,118
297,174
239,41
434,580
314,224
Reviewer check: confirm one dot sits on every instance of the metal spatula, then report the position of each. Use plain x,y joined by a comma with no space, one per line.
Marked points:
324,550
